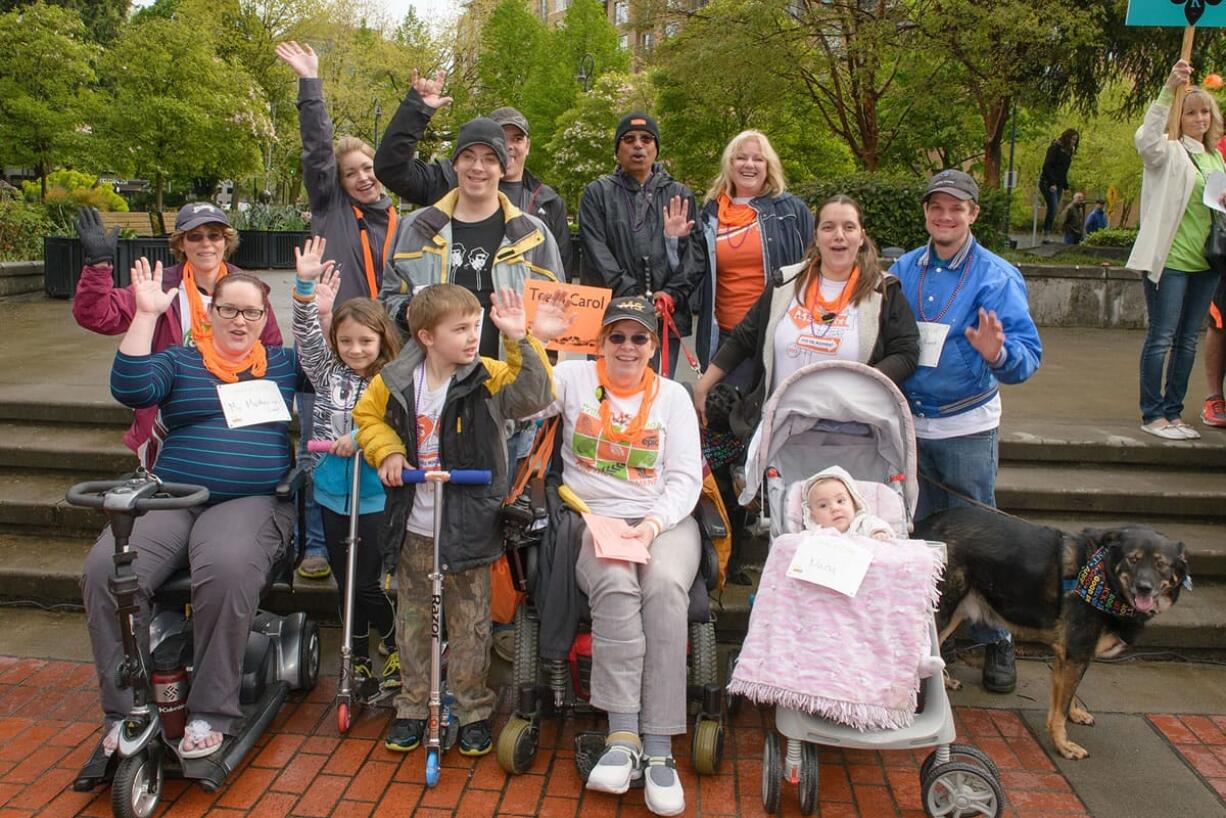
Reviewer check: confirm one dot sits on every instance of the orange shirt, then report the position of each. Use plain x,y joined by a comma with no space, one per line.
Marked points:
739,278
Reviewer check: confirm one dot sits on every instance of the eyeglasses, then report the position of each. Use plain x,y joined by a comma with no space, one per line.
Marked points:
211,235
229,311
639,339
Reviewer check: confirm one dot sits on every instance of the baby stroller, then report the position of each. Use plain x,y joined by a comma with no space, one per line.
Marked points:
848,414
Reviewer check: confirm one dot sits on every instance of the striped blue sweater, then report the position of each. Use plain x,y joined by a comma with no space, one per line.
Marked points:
199,447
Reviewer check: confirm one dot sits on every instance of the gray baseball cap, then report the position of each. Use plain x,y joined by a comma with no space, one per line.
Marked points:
954,182
194,214
510,116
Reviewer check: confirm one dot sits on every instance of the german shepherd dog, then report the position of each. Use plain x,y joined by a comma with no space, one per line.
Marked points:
1009,573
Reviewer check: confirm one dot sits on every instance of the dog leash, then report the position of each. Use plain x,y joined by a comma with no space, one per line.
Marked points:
971,501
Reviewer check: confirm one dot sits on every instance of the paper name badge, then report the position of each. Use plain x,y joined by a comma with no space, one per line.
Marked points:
932,341
610,540
837,563
250,403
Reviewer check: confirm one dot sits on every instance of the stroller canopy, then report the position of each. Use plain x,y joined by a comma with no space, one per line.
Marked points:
835,413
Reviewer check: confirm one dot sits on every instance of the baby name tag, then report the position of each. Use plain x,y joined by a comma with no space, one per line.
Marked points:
835,562
931,341
248,403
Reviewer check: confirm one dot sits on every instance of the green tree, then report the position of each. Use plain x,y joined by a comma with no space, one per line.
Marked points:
176,109
46,69
102,18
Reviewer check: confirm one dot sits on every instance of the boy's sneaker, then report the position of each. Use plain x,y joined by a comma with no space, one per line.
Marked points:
314,568
475,738
391,671
1214,412
405,735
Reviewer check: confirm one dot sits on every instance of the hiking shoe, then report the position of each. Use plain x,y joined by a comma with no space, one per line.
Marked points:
475,738
999,667
405,735
1162,428
314,568
663,792
1214,412
391,671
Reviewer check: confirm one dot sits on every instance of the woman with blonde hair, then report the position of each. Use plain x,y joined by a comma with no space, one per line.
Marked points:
1170,247
751,226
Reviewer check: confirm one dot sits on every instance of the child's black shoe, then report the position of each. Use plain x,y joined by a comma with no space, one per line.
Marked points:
405,735
475,738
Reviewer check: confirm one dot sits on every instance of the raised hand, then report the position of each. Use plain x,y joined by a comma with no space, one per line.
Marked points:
1181,74
309,261
989,337
97,243
507,313
552,317
677,221
151,299
431,90
326,288
301,58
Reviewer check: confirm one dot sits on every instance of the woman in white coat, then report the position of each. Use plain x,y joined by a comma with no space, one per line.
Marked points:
1170,247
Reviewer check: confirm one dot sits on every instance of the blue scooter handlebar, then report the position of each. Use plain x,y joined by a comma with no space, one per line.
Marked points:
462,477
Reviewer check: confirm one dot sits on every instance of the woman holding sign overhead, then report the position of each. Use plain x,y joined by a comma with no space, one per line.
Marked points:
225,404
1170,247
630,451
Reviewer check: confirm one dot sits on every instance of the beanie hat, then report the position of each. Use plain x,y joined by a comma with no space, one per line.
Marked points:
636,121
482,131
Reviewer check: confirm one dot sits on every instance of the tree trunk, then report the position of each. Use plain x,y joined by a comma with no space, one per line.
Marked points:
158,184
996,114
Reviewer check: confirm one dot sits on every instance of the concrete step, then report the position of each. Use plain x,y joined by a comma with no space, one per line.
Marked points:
1205,540
1107,442
61,403
1105,489
64,447
34,501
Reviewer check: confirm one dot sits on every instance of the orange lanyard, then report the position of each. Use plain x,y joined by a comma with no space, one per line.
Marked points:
367,257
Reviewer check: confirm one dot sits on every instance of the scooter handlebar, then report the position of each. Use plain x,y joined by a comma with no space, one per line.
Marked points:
316,446
462,477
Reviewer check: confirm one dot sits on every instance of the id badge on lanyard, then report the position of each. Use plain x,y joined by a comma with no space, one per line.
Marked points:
931,341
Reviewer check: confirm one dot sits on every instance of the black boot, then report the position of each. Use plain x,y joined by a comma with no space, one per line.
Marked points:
999,667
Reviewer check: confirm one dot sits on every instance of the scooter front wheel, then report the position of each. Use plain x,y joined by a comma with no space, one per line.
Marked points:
137,787
344,717
431,768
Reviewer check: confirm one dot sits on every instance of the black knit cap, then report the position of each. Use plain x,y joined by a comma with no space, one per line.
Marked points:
482,131
636,121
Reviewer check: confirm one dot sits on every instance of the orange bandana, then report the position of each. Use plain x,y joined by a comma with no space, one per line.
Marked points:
633,431
732,214
226,370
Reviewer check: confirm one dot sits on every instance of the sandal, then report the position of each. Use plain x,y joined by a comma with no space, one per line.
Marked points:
197,731
110,741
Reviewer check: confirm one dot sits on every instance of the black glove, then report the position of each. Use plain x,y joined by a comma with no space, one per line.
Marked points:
97,244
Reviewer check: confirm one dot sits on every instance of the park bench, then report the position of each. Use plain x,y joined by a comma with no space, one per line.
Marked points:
138,222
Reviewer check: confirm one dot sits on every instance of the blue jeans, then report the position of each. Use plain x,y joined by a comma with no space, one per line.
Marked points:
314,534
1052,199
1176,307
967,465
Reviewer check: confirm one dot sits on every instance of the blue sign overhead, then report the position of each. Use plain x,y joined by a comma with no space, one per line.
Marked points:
1177,13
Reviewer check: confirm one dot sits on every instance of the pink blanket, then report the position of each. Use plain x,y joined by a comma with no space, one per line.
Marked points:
850,660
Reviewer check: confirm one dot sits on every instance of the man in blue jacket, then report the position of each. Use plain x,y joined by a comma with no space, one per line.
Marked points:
975,334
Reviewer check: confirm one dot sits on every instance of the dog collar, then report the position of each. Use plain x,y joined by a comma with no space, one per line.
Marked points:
1093,589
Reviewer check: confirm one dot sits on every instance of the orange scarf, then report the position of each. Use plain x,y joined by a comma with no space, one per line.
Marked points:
732,214
367,256
200,316
633,431
818,306
227,370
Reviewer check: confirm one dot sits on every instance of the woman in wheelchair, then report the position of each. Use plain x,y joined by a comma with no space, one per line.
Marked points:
631,450
230,544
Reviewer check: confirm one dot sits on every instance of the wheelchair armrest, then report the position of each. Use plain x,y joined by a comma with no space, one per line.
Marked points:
709,519
294,481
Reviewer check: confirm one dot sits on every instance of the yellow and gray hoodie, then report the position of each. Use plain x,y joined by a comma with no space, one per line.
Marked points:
421,254
481,398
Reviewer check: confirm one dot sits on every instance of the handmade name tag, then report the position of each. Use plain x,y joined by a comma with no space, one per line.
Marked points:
835,562
932,341
249,403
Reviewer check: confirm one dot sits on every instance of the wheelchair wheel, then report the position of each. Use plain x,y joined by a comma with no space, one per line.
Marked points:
308,656
704,658
517,746
707,747
525,670
137,787
772,773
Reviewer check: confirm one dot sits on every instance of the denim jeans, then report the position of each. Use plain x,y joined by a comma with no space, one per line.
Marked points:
314,535
1176,308
1051,198
967,465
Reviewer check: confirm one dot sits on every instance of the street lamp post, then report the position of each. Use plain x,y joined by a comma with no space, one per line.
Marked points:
378,113
587,70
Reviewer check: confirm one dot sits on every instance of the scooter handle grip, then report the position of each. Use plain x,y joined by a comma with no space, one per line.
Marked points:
314,446
463,477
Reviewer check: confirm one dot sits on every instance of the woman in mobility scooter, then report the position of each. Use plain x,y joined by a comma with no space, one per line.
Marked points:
231,544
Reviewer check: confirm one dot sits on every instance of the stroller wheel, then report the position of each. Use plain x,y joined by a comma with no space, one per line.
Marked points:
961,752
517,746
137,787
707,748
961,790
809,775
772,773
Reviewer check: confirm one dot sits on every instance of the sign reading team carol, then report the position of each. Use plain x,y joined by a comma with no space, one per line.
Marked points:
586,303
1177,13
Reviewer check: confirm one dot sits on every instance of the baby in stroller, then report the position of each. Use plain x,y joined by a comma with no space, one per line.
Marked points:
832,502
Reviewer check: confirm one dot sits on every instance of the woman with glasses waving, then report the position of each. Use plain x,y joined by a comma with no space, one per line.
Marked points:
202,240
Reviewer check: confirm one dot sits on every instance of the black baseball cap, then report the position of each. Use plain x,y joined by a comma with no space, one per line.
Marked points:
510,116
482,131
194,214
630,308
956,183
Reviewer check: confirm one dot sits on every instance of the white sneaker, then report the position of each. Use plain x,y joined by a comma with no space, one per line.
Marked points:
1162,428
663,792
1184,429
615,769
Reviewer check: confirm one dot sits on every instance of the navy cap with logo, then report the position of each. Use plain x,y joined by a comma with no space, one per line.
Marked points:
956,183
195,214
630,308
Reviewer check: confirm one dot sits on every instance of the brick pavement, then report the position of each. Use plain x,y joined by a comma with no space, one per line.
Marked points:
303,767
1201,741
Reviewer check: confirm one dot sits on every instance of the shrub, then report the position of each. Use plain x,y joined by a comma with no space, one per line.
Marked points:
22,227
1112,237
893,215
270,217
67,192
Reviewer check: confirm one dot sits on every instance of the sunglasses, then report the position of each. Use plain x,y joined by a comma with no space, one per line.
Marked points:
639,339
211,235
231,312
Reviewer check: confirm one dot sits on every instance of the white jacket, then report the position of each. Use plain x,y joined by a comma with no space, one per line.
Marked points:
1166,186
